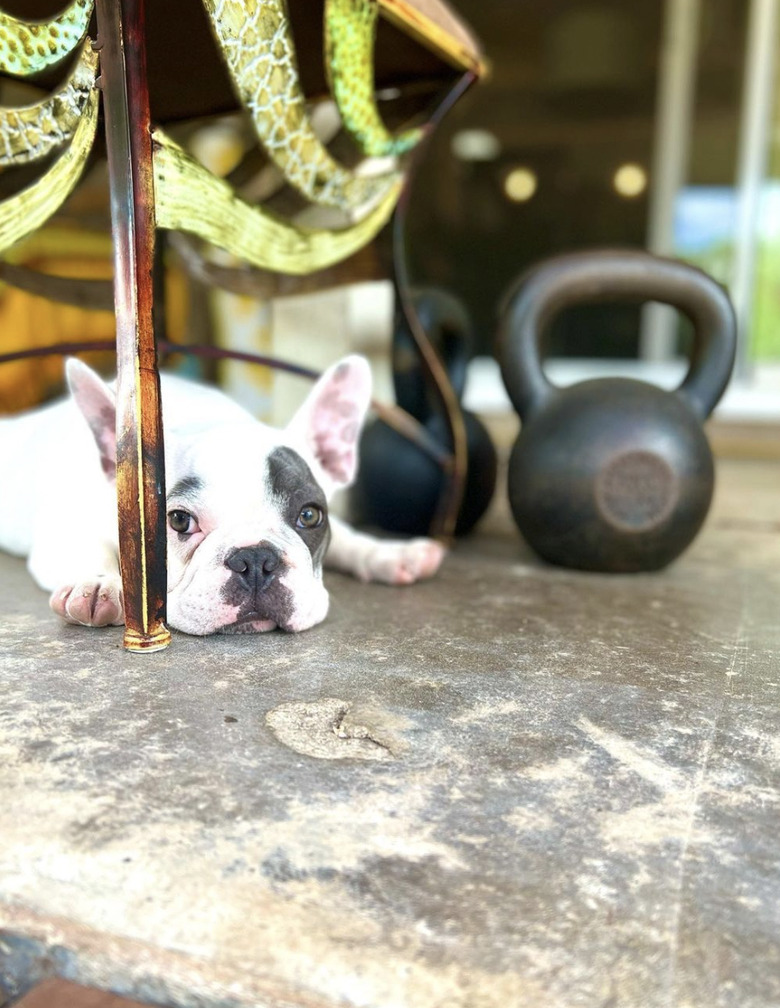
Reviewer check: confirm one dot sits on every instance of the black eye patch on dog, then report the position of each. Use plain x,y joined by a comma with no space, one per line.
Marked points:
292,483
189,486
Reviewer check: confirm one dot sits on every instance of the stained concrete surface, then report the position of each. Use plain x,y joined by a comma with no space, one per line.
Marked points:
511,786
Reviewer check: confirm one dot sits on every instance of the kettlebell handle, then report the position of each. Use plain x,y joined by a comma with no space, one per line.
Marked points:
615,275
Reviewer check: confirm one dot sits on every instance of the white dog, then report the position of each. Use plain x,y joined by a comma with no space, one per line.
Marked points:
247,505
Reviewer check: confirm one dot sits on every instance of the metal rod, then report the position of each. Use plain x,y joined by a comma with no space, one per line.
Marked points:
671,146
757,101
454,486
140,460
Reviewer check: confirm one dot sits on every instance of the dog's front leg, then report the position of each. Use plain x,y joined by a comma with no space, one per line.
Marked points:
391,561
81,571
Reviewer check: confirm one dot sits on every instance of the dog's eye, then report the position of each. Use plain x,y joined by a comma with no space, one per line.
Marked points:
183,522
310,517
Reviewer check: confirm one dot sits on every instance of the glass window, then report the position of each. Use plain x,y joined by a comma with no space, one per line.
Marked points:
606,123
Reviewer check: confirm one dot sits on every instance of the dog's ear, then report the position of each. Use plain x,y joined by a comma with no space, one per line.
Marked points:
329,421
97,403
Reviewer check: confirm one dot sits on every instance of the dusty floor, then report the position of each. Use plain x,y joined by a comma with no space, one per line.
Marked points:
514,785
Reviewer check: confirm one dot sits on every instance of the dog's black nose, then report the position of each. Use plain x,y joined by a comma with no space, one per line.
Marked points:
254,565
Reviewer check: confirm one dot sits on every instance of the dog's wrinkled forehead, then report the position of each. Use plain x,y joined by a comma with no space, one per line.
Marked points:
232,478
225,466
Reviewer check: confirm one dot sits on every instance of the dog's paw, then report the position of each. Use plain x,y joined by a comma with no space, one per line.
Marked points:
95,602
399,562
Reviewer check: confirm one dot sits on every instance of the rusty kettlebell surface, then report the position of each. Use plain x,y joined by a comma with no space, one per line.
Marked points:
612,474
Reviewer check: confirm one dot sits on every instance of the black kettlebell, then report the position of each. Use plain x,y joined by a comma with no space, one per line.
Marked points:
612,474
399,486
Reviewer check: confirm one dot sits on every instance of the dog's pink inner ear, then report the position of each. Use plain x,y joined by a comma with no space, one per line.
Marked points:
335,415
96,403
104,431
335,429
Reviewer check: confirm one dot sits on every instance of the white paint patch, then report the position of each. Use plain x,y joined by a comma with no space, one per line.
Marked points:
670,820
564,769
487,711
636,758
526,820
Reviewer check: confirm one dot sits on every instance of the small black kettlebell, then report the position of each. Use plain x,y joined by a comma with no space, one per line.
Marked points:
399,486
612,474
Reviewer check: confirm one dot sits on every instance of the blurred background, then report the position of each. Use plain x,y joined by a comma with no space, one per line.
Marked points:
647,123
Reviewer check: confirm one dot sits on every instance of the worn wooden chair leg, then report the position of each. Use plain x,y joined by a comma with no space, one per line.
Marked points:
140,460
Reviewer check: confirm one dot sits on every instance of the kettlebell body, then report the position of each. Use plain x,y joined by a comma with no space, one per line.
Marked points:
613,474
626,489
399,485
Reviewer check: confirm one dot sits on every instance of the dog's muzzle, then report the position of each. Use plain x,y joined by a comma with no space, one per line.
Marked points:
256,590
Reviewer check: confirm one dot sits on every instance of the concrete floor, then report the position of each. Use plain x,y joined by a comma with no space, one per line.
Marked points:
511,786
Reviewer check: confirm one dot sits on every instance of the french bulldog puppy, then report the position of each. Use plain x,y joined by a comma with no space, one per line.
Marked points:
247,505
